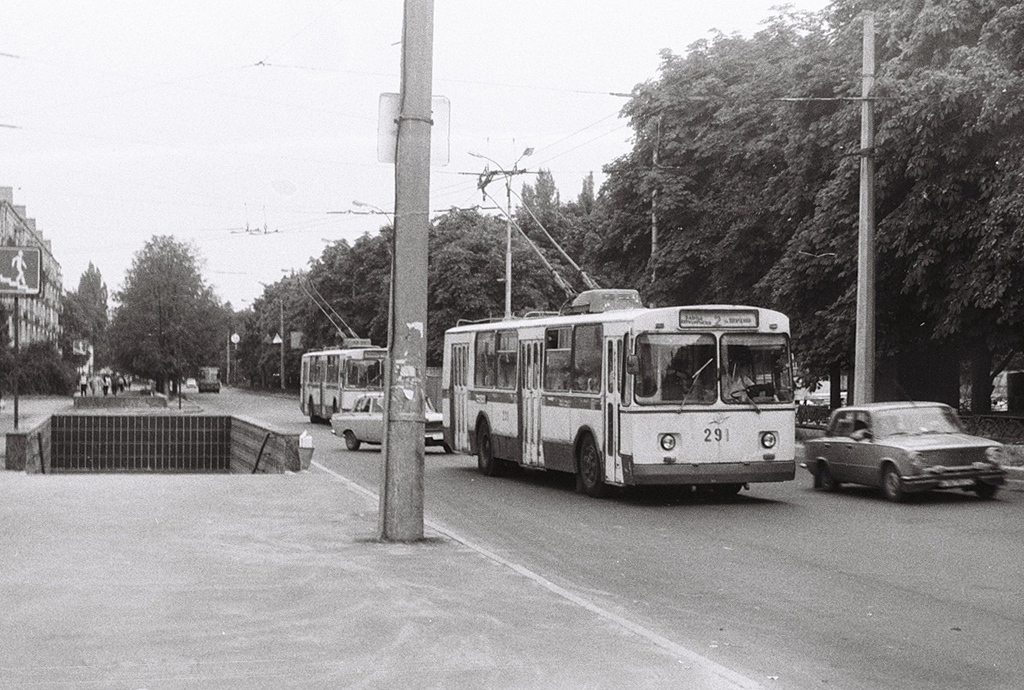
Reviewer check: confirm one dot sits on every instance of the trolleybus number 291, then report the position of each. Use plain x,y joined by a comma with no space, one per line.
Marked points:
622,395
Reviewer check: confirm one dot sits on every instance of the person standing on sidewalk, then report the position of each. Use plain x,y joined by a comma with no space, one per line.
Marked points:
83,384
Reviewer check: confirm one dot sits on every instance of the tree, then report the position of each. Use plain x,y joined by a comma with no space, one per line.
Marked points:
747,152
85,317
168,322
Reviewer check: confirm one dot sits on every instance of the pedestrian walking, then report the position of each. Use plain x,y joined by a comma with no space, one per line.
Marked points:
106,384
83,384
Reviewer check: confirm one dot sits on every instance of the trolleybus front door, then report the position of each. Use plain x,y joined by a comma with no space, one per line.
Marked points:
530,400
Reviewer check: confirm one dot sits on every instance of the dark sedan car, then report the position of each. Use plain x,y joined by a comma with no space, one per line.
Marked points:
904,448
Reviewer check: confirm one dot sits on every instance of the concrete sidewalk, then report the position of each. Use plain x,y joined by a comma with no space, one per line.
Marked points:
275,581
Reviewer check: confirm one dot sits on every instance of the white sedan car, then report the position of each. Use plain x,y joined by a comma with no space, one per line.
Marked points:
364,423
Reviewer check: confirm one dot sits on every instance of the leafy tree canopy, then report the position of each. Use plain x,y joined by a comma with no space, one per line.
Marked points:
747,152
168,322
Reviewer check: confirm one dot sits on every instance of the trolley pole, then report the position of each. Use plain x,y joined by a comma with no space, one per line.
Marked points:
401,495
864,340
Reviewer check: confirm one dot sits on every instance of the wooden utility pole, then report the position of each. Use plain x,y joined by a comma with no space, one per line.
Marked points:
401,495
864,352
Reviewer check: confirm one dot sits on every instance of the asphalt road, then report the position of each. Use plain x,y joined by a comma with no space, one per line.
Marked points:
838,591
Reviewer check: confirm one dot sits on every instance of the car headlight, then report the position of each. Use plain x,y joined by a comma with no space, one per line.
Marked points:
667,441
916,461
995,455
769,439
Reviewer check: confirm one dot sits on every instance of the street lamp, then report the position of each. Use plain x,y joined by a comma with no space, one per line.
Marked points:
485,179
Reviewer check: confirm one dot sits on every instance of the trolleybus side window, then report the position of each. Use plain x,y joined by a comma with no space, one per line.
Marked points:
586,359
610,373
484,364
557,364
507,356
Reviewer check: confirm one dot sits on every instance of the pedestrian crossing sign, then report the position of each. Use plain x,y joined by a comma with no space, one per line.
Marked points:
19,270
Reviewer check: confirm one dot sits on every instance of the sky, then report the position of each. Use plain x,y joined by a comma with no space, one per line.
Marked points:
249,129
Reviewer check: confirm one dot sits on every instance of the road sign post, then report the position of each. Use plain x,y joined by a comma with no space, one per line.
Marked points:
19,275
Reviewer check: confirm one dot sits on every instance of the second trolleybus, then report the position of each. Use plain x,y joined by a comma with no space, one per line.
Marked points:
332,379
623,395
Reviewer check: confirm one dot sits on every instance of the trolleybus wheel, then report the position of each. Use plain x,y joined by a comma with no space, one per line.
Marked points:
588,469
485,460
312,414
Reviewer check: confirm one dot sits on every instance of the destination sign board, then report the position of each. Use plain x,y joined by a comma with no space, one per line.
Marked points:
718,318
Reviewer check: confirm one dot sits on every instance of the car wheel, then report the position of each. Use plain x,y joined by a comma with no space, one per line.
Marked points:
485,460
589,473
351,442
892,485
986,491
826,482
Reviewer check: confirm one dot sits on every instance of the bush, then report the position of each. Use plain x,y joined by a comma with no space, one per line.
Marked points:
41,371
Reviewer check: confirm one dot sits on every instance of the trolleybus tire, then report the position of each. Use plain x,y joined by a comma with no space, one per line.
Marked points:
589,474
313,419
485,460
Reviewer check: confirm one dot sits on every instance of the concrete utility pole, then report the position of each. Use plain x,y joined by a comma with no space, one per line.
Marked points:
485,179
864,352
401,496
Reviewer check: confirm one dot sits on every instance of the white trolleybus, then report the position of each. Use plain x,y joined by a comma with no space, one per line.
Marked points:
331,380
622,395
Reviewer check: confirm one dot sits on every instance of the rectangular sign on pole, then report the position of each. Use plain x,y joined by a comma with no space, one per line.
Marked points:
19,270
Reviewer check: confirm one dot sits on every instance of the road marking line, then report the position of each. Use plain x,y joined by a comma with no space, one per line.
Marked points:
718,672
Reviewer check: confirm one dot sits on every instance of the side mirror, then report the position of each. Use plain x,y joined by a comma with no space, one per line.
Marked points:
632,365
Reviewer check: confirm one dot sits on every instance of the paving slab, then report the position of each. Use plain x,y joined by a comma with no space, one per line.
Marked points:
139,582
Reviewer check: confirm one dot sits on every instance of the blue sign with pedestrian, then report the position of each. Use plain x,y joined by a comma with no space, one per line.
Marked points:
19,270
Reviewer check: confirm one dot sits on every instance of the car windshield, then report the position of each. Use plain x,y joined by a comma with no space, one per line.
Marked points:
913,421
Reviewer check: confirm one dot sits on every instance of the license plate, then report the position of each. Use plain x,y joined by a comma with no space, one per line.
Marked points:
953,483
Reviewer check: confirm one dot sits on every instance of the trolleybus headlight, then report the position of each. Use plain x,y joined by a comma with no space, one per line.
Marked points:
668,441
769,439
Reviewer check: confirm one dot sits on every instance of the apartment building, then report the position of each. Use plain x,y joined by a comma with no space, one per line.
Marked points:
40,314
